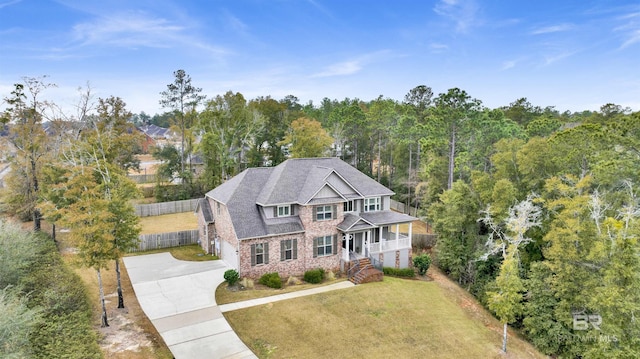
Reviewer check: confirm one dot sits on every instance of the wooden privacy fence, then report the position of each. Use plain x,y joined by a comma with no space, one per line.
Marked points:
402,208
149,242
143,178
157,209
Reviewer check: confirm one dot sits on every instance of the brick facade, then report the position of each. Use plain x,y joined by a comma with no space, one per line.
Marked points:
305,260
207,233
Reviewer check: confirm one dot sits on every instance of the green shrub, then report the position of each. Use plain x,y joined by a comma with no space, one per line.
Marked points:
271,280
314,276
63,326
422,263
404,272
231,276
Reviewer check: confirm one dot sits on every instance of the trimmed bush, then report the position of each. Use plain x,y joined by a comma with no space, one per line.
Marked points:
314,276
404,272
271,280
231,276
422,263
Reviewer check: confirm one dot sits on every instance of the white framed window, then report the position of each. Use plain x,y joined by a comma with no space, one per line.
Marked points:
324,213
324,246
372,204
289,249
284,211
259,254
349,206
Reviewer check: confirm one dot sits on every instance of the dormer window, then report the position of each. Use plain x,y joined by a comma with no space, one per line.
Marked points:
283,211
372,204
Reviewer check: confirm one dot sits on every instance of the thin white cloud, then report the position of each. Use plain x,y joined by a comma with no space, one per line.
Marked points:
552,29
321,8
127,29
136,29
508,65
632,38
341,69
352,66
438,48
464,13
550,59
630,29
235,23
4,4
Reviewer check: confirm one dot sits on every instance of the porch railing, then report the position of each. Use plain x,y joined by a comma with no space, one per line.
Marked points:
376,263
391,244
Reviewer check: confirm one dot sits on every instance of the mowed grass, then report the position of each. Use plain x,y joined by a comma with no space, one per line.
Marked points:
168,223
396,318
225,296
192,253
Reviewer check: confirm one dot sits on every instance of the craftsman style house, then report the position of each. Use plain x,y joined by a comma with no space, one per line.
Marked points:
300,215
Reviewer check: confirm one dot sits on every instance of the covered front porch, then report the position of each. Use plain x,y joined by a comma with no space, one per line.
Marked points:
372,241
382,236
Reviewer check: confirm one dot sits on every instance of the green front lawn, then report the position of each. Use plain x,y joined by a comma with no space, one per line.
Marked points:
396,318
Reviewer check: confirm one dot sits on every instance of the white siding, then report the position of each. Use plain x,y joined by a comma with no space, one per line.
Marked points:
326,192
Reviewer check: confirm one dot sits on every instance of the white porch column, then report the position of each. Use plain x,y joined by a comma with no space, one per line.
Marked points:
397,235
367,241
346,248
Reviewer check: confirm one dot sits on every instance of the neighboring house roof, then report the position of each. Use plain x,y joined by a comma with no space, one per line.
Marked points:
155,131
297,181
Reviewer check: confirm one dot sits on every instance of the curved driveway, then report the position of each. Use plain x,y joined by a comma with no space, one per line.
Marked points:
179,299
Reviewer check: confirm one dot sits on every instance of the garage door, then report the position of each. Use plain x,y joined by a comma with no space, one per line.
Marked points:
229,255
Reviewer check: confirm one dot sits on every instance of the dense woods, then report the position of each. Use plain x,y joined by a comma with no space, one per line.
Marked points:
536,211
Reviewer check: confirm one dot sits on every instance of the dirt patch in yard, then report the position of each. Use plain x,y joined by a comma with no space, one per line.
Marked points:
123,334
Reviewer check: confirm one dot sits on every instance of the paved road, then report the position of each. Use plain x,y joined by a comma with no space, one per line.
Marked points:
179,299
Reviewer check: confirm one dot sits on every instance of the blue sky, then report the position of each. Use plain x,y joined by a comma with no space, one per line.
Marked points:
574,55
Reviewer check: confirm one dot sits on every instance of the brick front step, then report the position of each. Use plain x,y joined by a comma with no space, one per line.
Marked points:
367,273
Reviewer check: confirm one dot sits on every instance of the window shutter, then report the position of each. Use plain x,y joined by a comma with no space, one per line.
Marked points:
334,213
266,253
291,210
315,247
275,212
335,244
315,214
295,248
253,255
282,249
381,203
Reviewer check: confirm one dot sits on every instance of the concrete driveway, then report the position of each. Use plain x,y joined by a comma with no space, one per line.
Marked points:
179,299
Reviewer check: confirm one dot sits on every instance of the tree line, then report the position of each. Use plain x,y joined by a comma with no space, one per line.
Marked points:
535,210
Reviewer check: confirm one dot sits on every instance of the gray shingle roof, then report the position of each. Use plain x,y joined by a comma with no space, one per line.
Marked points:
297,180
386,217
293,181
353,222
206,210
